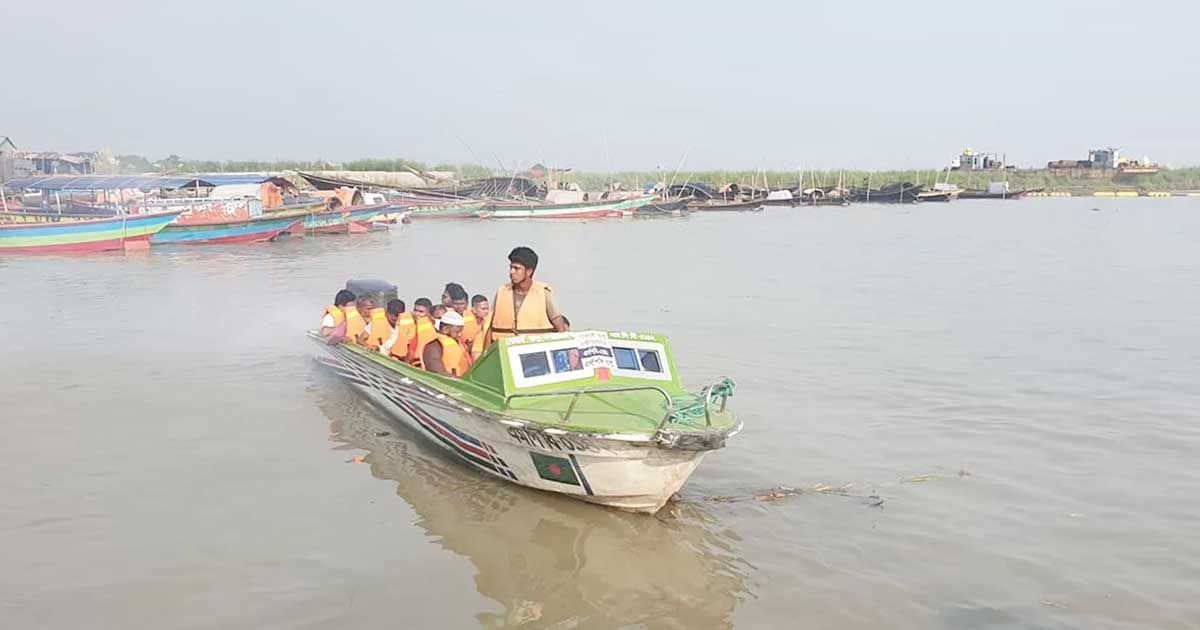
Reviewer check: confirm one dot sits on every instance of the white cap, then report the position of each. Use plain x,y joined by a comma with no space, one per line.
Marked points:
452,318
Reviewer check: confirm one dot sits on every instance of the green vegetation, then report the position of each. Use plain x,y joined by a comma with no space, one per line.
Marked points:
1167,180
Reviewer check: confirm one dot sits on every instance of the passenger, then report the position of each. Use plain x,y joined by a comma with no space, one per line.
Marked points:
378,329
403,330
481,313
445,355
335,314
524,306
448,294
424,331
459,303
356,318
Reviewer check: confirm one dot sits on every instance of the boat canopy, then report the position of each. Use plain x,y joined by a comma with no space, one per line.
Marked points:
103,182
140,182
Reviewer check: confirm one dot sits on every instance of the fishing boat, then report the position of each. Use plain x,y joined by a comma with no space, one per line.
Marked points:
582,210
997,190
891,193
754,205
453,210
340,219
596,415
938,195
254,230
128,231
664,207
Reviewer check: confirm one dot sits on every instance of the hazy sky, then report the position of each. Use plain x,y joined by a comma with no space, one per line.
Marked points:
836,84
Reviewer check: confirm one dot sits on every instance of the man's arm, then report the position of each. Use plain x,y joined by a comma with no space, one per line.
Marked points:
552,314
432,358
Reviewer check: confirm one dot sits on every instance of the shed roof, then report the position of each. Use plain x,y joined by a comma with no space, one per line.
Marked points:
103,182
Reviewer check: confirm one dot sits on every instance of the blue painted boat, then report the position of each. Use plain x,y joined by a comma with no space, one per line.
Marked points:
254,230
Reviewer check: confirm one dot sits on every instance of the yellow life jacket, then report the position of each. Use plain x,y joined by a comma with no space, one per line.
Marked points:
477,342
424,334
531,320
381,330
354,324
470,326
407,331
336,313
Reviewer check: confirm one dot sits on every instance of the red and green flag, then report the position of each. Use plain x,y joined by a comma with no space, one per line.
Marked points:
553,468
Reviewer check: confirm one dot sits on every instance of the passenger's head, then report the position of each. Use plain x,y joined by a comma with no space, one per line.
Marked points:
344,297
365,303
522,262
422,307
452,324
394,308
481,308
458,298
448,293
437,312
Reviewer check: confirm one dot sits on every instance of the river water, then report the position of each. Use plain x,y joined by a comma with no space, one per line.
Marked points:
974,415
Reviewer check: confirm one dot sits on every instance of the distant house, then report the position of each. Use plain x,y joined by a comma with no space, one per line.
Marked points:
62,163
8,152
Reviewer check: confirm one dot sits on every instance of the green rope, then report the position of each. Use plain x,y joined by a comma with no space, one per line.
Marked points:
690,407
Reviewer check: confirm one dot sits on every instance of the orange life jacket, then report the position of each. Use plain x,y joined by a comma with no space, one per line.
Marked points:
354,323
454,357
336,313
531,320
406,331
423,334
381,330
477,342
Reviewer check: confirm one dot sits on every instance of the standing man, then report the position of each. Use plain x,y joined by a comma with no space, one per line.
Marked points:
524,306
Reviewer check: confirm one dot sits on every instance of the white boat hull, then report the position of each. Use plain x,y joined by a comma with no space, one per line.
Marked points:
630,472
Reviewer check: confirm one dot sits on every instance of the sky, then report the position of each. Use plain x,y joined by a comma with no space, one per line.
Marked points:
608,85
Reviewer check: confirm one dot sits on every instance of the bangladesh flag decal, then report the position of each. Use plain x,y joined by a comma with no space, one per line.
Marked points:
553,468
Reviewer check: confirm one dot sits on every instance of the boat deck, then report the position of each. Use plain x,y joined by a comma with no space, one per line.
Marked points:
626,408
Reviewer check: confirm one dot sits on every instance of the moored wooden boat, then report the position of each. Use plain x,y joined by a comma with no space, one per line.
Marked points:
599,416
583,210
1004,194
255,230
664,207
131,231
933,196
340,220
727,206
454,210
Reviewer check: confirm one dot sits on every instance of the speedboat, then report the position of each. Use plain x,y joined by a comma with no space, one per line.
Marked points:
597,415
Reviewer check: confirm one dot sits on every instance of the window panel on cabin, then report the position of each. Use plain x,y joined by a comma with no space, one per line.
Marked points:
534,364
626,358
650,361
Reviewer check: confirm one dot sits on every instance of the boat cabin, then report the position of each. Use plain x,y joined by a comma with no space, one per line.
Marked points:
581,378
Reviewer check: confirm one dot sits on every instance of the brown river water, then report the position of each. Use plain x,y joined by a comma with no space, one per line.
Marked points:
974,415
